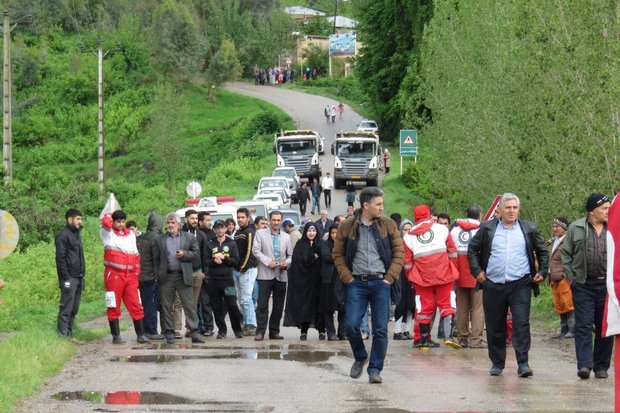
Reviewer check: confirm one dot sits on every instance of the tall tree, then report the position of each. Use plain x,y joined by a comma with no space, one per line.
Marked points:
390,31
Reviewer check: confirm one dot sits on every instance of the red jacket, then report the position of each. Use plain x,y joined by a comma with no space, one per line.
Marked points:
120,250
430,255
463,231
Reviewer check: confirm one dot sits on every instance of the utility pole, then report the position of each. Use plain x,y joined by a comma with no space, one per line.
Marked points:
101,150
7,134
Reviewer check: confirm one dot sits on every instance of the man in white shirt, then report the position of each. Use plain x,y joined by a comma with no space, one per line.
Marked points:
327,183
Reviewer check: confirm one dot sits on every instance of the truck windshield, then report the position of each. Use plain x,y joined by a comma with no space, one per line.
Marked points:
298,147
355,149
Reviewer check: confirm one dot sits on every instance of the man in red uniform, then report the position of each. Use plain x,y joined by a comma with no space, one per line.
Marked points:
430,257
122,268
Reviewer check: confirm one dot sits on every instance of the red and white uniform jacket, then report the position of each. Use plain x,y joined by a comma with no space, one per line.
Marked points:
430,255
120,253
463,231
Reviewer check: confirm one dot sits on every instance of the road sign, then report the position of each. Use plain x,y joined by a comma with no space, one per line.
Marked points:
9,234
492,208
193,189
408,142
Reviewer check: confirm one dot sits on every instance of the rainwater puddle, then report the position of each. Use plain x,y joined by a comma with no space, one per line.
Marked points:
125,397
299,356
188,346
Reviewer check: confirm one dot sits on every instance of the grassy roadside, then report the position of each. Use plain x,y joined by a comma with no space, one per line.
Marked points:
218,135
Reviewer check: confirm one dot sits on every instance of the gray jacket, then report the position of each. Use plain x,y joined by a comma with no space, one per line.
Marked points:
263,251
145,243
188,245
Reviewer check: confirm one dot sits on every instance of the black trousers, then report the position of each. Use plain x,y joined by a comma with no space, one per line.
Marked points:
302,207
265,289
327,193
497,299
223,296
70,296
329,324
589,300
206,311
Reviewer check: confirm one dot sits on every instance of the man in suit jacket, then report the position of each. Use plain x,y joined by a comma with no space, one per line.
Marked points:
323,225
503,256
173,254
272,249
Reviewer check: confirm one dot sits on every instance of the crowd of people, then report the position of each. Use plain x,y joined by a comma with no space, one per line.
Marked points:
278,75
475,273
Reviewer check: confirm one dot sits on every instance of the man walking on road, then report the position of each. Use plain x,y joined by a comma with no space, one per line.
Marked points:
272,249
71,269
368,254
503,256
303,195
327,183
562,294
584,256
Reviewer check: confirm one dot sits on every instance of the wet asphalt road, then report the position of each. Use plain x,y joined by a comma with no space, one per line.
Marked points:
241,375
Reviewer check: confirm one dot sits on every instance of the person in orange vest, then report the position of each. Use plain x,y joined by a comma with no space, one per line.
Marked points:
122,269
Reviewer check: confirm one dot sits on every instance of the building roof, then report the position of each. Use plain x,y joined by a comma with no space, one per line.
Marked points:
303,11
342,21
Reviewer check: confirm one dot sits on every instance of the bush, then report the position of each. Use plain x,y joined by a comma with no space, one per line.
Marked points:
415,178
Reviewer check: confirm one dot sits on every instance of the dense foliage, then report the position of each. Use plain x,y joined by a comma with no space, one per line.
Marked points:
510,96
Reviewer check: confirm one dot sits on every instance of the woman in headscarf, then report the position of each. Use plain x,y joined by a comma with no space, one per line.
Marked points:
405,308
304,276
332,291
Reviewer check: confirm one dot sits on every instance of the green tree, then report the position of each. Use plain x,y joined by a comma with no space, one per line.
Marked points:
316,58
390,32
175,38
224,66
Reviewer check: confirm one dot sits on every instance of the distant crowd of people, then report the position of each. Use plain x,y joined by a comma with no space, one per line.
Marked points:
473,272
278,75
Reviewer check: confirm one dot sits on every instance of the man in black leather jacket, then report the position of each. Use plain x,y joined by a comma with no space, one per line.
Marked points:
508,257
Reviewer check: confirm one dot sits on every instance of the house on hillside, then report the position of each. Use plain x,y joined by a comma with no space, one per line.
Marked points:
343,24
303,14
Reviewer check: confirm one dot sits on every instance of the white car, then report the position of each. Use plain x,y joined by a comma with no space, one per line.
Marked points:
273,201
292,178
274,182
278,191
367,125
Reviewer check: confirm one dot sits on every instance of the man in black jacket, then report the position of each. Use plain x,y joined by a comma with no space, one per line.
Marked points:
221,258
191,227
71,268
246,271
149,294
303,195
503,256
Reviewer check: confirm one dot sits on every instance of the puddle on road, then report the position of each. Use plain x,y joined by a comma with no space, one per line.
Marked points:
188,346
152,398
300,356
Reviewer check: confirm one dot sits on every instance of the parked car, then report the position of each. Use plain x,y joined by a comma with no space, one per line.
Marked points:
292,214
256,208
292,178
275,182
273,201
367,125
278,191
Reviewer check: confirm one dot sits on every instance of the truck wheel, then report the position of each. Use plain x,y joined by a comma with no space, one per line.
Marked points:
337,184
372,182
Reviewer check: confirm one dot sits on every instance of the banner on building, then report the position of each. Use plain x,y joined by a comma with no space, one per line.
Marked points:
342,44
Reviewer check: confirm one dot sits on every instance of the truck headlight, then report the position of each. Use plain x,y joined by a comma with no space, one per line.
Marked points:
373,163
337,163
280,161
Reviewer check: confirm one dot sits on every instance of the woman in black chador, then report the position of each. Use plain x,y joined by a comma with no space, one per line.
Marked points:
332,291
304,279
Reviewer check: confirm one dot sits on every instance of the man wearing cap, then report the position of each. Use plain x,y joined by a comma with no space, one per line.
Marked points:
289,227
430,264
509,259
272,248
560,287
584,256
221,258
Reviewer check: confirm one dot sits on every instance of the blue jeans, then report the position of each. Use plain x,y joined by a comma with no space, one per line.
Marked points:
359,294
150,299
316,203
244,283
364,326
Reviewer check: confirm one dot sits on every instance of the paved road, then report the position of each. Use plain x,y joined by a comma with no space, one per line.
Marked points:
239,375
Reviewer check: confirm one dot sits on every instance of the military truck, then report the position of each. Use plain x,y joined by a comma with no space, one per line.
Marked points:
299,149
356,157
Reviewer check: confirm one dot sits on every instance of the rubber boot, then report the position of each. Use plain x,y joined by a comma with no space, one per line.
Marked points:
425,330
139,327
563,326
447,322
115,329
570,324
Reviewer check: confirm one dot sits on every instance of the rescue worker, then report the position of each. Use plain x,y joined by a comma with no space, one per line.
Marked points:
122,268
